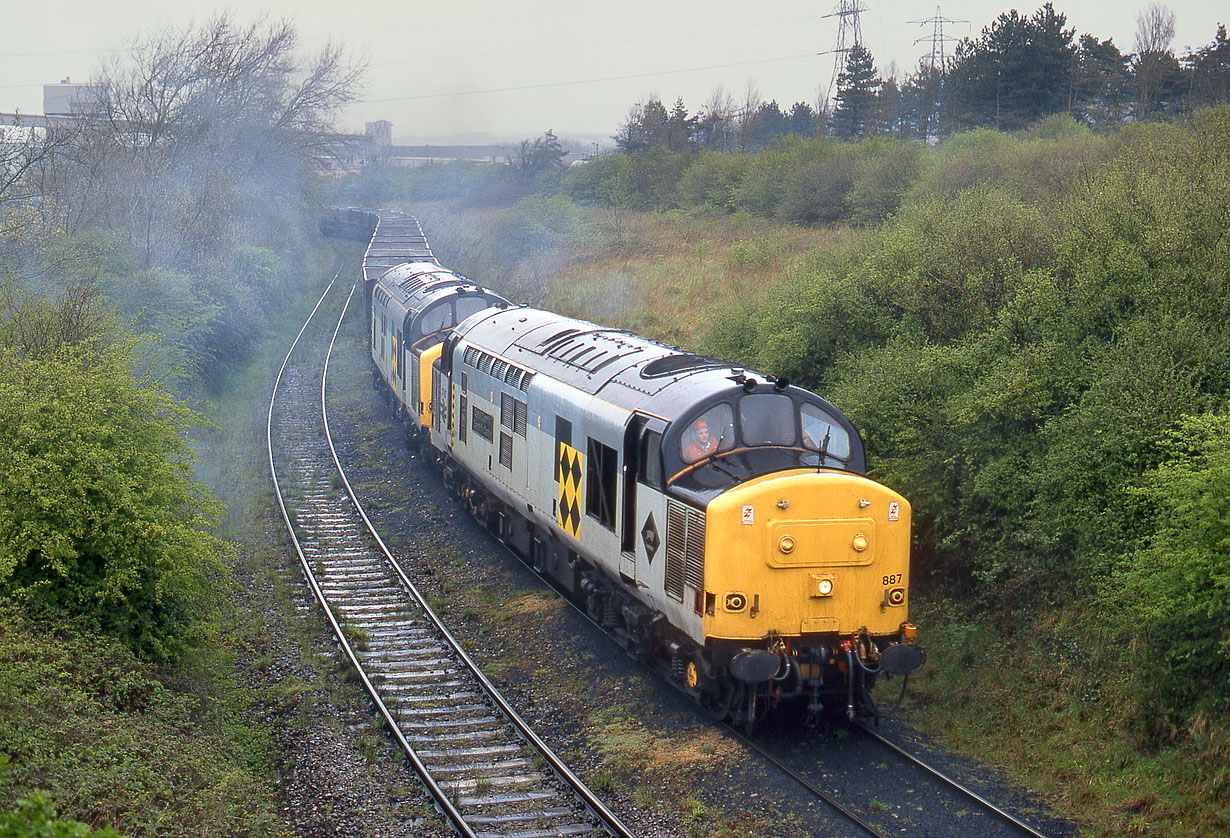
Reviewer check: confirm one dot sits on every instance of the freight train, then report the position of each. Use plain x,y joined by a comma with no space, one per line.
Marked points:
716,521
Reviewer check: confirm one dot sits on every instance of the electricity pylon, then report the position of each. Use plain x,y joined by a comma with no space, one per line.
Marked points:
935,64
849,33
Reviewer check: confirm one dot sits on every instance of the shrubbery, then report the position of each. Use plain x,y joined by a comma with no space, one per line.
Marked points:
1174,589
100,516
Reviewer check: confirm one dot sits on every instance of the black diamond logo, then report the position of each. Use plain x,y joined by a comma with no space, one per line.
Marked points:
649,535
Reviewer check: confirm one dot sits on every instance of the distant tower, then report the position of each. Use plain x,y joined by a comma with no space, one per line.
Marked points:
937,58
379,132
932,68
849,33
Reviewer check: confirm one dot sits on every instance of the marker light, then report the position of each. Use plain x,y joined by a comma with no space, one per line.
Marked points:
824,587
859,543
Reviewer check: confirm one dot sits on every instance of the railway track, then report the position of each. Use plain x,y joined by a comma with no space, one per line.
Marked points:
1002,815
487,772
997,821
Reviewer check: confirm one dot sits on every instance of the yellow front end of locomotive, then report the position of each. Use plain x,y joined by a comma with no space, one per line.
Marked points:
806,552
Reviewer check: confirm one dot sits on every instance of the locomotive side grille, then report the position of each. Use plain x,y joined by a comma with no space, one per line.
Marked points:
694,555
483,424
505,450
506,410
520,417
685,548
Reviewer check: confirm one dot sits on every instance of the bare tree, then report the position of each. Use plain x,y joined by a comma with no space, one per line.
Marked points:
1153,59
37,325
194,129
24,153
715,124
747,116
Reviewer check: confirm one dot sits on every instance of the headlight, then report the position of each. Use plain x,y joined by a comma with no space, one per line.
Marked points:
825,587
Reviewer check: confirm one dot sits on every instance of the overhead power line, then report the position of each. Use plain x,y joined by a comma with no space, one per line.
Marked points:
573,82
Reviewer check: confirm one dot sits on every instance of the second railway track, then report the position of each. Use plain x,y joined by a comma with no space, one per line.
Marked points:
486,770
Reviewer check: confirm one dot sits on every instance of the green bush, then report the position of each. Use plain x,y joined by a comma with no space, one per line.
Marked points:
882,176
115,741
639,180
1173,592
711,179
35,817
100,516
770,174
975,158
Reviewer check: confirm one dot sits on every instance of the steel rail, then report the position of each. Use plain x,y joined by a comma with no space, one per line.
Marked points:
438,795
939,775
798,777
610,822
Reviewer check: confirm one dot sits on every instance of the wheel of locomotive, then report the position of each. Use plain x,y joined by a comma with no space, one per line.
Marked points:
716,697
595,604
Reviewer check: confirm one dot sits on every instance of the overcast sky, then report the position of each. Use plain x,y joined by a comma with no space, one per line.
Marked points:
483,70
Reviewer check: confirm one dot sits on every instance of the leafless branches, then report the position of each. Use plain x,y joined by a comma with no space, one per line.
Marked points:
196,128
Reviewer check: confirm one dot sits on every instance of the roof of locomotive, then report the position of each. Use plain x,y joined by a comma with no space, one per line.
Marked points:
622,368
416,284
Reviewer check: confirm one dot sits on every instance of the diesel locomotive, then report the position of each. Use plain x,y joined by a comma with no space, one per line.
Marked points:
716,521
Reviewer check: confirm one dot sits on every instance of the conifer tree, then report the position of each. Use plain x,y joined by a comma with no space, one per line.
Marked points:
856,91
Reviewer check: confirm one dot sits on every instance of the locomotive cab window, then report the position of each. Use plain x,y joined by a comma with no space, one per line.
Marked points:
821,432
467,306
709,433
651,459
767,419
436,318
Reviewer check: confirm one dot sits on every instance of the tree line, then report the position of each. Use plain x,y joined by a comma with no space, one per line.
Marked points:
1020,69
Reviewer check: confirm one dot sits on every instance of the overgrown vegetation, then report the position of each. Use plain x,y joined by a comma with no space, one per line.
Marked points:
137,276
100,516
100,732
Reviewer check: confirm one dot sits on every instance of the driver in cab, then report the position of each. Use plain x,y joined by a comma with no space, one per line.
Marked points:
698,443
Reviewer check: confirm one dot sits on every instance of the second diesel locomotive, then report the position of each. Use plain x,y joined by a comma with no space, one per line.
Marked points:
716,521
